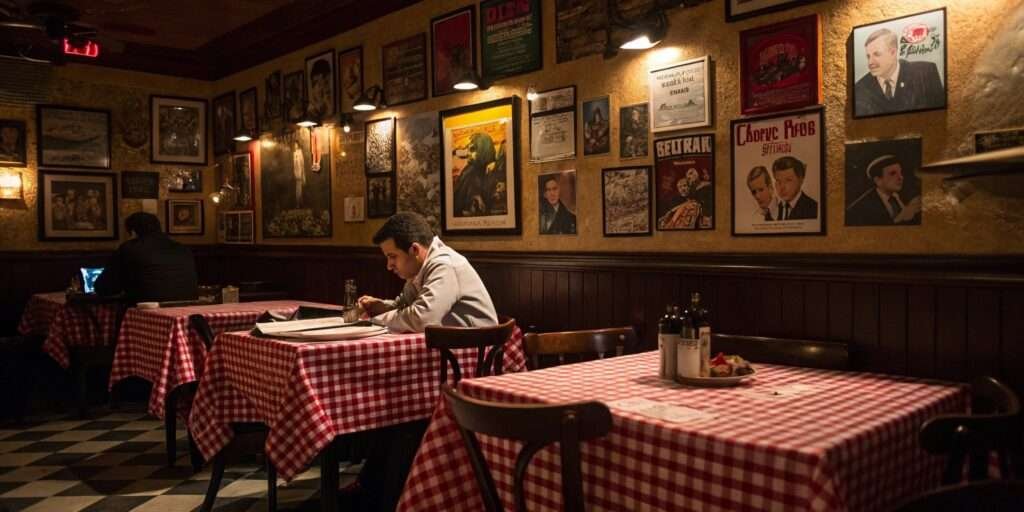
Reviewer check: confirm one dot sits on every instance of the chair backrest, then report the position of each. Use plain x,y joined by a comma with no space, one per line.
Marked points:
827,355
555,348
993,426
536,426
489,342
202,327
993,495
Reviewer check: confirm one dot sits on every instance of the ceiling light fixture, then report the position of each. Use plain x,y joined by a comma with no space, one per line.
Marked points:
470,81
370,99
641,34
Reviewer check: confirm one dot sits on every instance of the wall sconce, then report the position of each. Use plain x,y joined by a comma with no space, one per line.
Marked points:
370,99
223,193
531,93
308,121
346,121
644,33
470,81
244,137
10,186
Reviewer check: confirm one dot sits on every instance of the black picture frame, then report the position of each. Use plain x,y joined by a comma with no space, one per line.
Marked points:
780,5
48,227
225,114
557,111
199,226
332,103
273,89
435,61
199,130
13,154
536,14
288,104
140,185
604,200
392,157
384,207
49,139
345,100
389,71
249,97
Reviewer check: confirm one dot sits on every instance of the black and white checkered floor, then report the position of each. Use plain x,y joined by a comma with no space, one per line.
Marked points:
116,463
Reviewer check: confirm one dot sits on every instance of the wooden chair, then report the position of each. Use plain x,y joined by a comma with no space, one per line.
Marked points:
536,426
992,495
489,342
826,355
994,425
556,348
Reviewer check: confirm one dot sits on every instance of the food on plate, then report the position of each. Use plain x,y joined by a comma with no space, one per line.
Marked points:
729,366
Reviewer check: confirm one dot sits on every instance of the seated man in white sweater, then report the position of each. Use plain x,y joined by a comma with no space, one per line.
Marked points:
441,287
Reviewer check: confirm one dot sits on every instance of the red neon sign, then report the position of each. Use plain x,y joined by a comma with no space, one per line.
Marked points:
86,49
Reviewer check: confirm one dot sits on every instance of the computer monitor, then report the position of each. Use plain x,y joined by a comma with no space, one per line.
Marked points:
89,276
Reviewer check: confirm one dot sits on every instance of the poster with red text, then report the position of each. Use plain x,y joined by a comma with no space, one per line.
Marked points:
780,66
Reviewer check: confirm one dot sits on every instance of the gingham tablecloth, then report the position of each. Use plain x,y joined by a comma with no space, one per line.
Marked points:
66,325
39,313
157,344
308,393
850,444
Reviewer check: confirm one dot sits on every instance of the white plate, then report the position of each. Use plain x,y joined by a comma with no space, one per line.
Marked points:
714,382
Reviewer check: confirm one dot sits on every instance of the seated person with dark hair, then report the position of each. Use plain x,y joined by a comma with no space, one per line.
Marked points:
149,267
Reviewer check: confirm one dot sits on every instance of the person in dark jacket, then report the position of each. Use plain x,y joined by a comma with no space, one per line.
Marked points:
789,173
149,267
555,218
895,85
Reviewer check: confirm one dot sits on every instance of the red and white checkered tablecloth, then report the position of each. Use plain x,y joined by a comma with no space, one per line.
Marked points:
848,444
39,313
67,325
308,393
159,346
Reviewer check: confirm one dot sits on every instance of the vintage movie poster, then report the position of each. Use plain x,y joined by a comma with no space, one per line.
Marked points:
680,95
557,202
405,70
480,175
882,187
510,38
597,126
684,182
296,201
778,178
633,131
998,139
453,43
780,66
350,78
626,201
419,167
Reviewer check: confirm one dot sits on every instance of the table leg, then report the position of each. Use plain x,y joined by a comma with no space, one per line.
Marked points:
329,479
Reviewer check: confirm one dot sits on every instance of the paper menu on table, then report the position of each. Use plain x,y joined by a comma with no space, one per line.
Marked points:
782,392
658,410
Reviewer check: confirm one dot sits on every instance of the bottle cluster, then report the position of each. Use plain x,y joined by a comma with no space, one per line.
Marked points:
684,340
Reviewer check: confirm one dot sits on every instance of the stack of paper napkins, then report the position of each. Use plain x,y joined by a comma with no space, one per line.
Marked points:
319,329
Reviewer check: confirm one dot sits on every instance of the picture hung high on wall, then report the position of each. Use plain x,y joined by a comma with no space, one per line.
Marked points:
882,187
73,137
778,178
510,38
684,182
224,123
294,103
380,196
557,204
480,184
419,167
736,10
140,185
240,180
238,227
597,126
248,114
320,77
12,143
633,131
295,200
453,47
899,65
77,206
780,66
184,216
350,78
380,146
998,139
626,201
404,68
580,28
179,131
185,179
680,95
272,96
553,125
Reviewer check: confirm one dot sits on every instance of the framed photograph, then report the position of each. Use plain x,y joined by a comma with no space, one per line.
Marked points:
736,10
294,96
553,125
634,131
780,66
380,146
239,227
224,123
350,78
355,209
778,175
272,96
480,185
140,185
185,179
380,196
882,187
77,206
684,182
179,130
12,143
998,139
419,167
626,201
453,49
73,137
184,216
899,65
580,28
295,199
511,39
556,213
248,114
404,64
240,179
680,95
597,126
320,76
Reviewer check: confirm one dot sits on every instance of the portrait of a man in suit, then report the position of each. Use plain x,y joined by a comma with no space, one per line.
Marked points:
793,204
759,181
892,84
555,217
885,204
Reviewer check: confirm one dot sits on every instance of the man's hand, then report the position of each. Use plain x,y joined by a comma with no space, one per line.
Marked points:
910,210
372,305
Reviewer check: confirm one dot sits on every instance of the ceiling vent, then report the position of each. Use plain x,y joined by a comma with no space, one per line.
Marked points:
24,82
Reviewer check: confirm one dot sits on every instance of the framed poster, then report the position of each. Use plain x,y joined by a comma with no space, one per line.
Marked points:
419,167
294,103
633,131
350,78
249,115
626,201
179,131
684,182
354,209
736,10
272,96
77,206
240,179
73,137
899,65
238,227
882,187
680,95
511,39
597,126
224,123
184,216
295,200
480,186
320,76
140,185
556,213
380,196
12,143
453,49
404,64
185,179
998,139
780,66
380,146
778,177
580,28
553,125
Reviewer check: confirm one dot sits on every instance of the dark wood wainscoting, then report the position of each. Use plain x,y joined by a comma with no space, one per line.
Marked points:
929,316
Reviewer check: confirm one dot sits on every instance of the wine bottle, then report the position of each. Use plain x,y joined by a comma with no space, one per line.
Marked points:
700,318
667,339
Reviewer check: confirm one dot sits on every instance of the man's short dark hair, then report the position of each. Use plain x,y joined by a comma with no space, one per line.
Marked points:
405,228
142,224
788,162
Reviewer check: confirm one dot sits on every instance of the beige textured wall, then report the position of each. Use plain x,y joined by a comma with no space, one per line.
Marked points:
126,95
